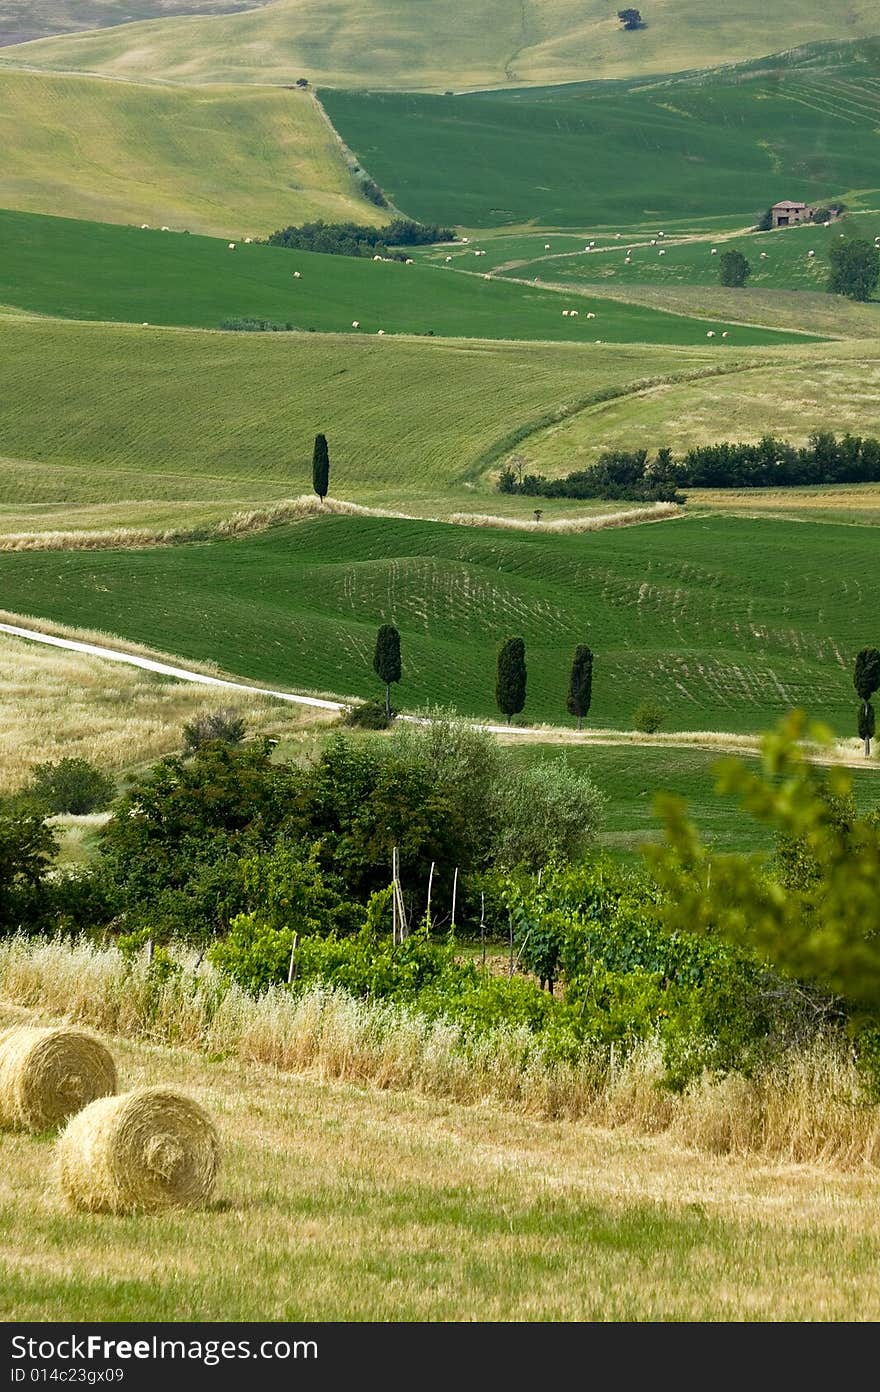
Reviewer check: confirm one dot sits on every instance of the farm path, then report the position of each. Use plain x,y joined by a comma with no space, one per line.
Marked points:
719,741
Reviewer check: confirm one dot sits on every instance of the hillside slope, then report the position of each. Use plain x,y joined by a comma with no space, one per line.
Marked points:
436,44
21,20
215,159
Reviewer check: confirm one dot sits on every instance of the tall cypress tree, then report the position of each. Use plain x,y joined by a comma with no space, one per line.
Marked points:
580,686
510,682
866,680
386,662
321,467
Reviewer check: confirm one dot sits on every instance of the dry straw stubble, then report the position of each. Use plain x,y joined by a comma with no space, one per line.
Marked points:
140,1152
47,1075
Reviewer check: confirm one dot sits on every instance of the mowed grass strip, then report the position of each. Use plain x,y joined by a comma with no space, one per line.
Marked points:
394,44
81,270
218,160
727,622
672,151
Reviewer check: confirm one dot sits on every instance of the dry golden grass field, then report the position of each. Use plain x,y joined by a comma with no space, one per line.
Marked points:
342,1200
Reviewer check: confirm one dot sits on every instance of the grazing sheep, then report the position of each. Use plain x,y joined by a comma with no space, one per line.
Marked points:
661,252
714,251
297,275
465,239
145,325
487,275
377,258
409,261
574,313
617,236
248,240
627,261
565,313
592,243
449,258
661,234
166,229
724,335
591,315
381,333
355,323
232,246
811,253
763,256
653,241
546,246
711,333
598,340
145,227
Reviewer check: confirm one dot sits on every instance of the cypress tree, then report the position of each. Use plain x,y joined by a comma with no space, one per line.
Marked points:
510,682
386,662
321,467
580,686
866,679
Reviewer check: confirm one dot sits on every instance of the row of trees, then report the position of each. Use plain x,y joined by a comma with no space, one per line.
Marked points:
770,463
353,239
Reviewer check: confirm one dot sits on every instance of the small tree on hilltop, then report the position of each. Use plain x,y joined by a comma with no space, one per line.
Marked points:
510,682
734,269
630,19
866,679
321,467
580,686
386,662
855,270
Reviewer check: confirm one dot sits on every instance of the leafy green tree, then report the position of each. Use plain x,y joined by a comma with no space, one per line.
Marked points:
580,685
734,269
510,681
321,467
866,680
70,785
855,269
386,660
630,19
27,847
548,812
648,716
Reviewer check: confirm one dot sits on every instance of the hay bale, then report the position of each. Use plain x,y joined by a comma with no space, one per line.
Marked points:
144,1150
47,1075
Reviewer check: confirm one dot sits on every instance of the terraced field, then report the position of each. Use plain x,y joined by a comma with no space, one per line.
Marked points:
83,270
215,160
723,147
727,622
488,43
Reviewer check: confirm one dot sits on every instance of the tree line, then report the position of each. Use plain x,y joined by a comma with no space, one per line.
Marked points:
353,239
770,463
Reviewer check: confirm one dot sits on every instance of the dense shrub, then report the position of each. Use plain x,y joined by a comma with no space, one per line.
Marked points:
224,725
70,785
648,716
353,239
367,715
246,325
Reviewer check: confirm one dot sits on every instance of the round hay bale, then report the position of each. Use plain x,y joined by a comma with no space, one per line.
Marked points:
141,1151
47,1075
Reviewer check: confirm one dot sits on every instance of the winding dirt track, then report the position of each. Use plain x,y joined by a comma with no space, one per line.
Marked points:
717,742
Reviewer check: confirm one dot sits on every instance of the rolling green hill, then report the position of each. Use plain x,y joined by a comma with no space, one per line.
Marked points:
444,44
727,623
82,270
604,156
216,159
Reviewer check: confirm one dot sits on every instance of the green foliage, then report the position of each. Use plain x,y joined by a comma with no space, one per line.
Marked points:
855,269
386,660
548,812
70,785
354,239
510,679
866,673
244,324
368,715
734,269
580,683
648,716
822,926
321,467
224,725
630,19
27,847
867,724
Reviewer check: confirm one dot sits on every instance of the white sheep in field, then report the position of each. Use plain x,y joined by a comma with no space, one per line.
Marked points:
617,236
465,239
565,313
546,246
487,275
145,227
661,234
714,251
248,241
449,258
377,258
574,313
661,252
355,323
232,246
810,254
166,229
598,340
409,261
711,333
297,275
381,333
145,325
591,315
763,256
724,335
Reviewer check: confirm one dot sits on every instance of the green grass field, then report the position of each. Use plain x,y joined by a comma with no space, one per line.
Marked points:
489,43
779,260
221,160
727,622
81,270
631,776
679,150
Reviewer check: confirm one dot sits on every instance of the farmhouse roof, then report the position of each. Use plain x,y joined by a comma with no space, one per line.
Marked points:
787,203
